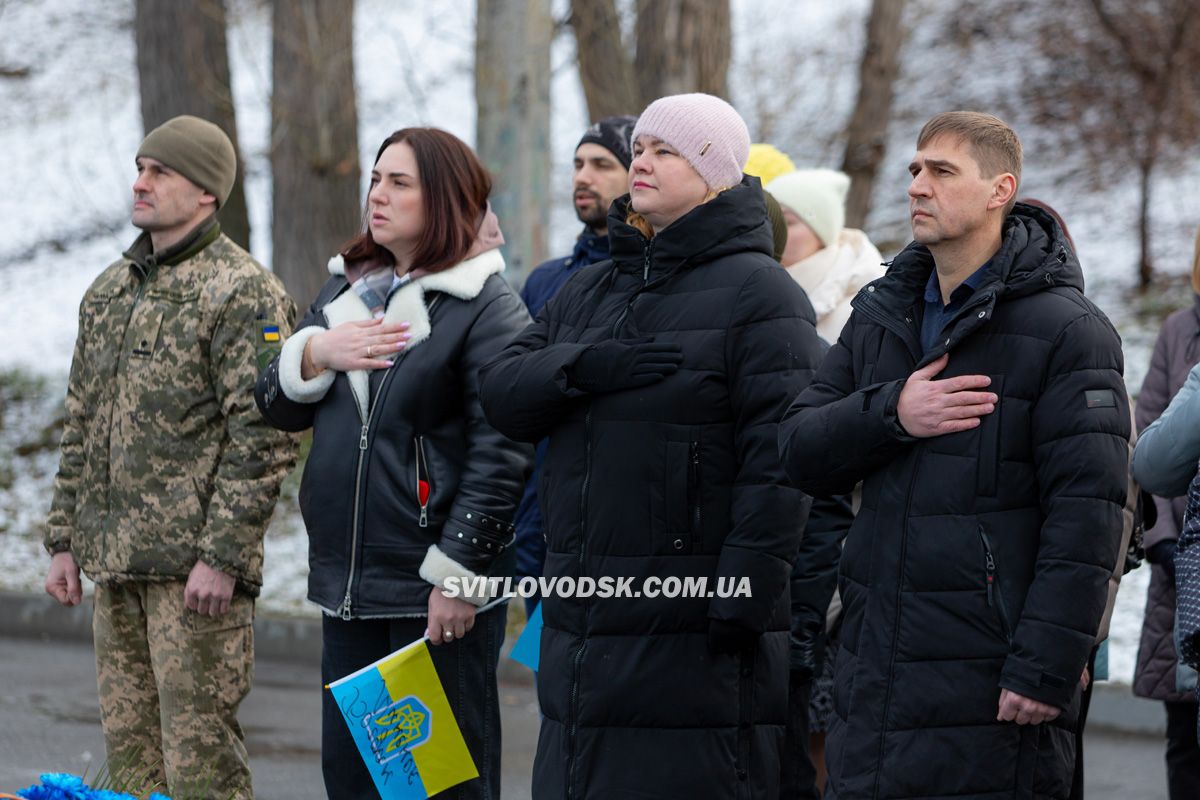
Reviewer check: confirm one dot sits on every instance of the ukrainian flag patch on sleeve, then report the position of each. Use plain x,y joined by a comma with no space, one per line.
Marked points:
268,341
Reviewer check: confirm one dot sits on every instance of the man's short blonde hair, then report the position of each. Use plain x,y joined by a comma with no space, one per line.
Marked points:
993,144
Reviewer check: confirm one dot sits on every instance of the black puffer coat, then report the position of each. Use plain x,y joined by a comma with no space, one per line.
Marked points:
416,465
978,560
681,478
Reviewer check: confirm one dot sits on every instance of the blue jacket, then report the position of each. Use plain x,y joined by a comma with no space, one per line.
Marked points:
1165,458
541,285
1165,463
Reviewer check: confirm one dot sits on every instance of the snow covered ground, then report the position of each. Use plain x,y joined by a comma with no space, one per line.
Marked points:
68,133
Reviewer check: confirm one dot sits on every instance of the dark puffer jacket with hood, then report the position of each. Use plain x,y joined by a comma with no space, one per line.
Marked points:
979,560
678,479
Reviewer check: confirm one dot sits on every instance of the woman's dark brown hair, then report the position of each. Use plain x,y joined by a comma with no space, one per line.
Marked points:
1049,209
454,192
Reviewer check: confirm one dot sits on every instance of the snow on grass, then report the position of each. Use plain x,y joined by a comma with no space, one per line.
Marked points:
69,131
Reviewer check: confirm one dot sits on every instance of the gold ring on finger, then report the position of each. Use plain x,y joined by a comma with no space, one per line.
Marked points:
370,350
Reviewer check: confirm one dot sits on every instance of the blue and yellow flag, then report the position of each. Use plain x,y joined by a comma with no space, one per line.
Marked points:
402,723
528,649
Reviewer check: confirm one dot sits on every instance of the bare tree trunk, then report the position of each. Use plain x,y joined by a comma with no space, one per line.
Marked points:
1145,263
604,67
512,92
682,46
866,136
183,68
314,140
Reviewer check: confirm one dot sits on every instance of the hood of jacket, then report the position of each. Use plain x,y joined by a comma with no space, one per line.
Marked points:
1034,255
735,221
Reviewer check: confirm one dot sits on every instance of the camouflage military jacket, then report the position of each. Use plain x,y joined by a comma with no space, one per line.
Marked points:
165,459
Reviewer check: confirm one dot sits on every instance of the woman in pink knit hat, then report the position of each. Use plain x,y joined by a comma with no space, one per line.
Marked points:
659,378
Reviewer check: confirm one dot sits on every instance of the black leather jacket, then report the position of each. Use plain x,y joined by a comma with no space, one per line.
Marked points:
423,468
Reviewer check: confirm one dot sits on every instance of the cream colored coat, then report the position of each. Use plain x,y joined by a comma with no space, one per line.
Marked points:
833,275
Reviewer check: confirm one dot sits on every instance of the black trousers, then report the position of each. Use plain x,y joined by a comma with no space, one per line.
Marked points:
799,777
1085,702
467,670
1183,751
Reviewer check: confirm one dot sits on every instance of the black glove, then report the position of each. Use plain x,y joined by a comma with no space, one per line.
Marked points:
729,637
624,364
806,645
1163,554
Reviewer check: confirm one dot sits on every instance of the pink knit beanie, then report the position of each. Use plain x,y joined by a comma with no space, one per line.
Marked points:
706,131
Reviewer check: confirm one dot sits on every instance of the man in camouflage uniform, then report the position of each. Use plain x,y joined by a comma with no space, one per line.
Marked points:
168,475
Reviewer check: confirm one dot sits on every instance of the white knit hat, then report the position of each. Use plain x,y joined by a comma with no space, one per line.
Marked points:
817,196
706,131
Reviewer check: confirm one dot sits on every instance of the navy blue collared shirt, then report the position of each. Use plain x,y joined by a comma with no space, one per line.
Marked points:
937,315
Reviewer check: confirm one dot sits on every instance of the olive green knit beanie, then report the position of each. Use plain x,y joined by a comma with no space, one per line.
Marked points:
196,149
778,225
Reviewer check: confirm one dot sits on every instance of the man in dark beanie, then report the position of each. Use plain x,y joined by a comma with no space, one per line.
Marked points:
601,175
168,475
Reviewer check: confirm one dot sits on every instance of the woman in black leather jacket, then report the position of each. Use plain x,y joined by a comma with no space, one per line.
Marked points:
406,484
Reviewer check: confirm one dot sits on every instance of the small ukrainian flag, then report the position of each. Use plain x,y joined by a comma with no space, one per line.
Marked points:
270,333
401,720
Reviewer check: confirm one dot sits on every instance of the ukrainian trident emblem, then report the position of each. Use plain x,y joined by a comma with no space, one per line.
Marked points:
398,728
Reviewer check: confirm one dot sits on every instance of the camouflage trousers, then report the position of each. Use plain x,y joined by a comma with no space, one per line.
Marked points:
170,683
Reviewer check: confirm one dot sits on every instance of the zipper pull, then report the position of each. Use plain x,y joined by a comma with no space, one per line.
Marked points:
424,520
646,268
991,577
362,439
346,606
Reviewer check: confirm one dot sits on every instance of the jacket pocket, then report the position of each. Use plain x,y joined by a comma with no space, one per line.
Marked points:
187,506
144,335
989,441
868,374
679,497
995,597
239,615
424,484
173,320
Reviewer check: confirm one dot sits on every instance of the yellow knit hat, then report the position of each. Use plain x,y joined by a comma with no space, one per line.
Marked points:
767,163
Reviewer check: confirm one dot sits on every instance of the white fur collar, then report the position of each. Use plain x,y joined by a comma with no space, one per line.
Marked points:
464,281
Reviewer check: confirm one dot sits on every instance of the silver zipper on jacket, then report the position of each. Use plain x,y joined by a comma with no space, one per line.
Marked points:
362,454
993,581
616,327
423,466
363,446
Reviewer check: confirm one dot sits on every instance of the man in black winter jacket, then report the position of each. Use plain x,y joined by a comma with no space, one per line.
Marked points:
978,395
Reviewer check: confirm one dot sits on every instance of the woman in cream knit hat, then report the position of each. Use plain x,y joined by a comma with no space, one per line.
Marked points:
829,261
